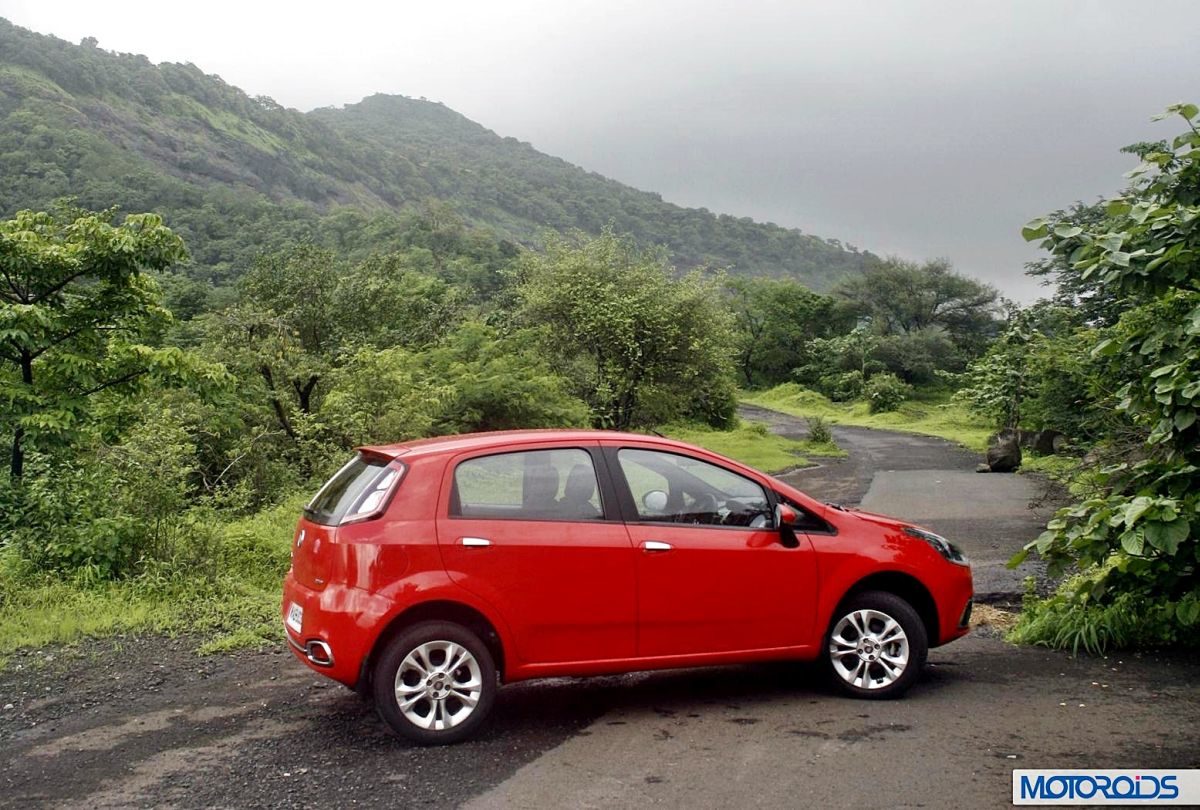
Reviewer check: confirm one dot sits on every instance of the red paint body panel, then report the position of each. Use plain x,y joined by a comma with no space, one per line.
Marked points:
722,590
583,597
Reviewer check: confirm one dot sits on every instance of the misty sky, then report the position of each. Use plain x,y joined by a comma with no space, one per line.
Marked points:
917,128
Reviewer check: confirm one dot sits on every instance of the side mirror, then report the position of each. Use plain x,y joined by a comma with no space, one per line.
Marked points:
655,501
785,520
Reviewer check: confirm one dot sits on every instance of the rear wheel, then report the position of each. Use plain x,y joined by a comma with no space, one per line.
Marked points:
435,683
876,646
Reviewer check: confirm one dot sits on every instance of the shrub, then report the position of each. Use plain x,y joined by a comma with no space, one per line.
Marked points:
1073,619
885,392
819,431
842,387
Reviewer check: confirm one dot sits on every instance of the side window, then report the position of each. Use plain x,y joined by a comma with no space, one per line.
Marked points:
537,485
679,489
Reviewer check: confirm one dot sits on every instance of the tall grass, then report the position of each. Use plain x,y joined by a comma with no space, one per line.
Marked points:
230,599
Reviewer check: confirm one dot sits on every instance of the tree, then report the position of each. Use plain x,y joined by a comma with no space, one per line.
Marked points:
640,345
776,322
1091,303
285,329
903,298
474,380
1138,536
75,300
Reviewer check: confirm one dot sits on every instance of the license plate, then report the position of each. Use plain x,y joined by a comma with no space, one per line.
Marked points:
295,617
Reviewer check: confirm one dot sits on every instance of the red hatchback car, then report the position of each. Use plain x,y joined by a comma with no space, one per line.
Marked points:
425,573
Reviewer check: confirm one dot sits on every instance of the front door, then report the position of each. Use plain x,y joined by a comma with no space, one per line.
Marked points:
713,575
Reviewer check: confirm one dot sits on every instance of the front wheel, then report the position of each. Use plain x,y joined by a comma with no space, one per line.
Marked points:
876,646
435,683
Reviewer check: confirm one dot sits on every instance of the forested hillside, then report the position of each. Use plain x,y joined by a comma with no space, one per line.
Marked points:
235,175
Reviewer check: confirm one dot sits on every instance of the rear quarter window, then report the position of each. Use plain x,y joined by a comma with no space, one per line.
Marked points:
557,484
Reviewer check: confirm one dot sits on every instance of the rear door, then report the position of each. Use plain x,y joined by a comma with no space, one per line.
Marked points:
713,575
536,533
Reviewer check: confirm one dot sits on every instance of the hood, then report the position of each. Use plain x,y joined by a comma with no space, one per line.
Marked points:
870,517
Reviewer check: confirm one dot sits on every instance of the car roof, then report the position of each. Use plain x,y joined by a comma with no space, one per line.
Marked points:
508,438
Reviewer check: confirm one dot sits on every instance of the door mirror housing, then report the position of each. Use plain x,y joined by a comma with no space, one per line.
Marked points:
785,521
655,501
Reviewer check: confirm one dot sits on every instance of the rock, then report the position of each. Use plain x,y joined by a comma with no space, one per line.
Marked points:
983,468
1048,442
1005,454
1005,435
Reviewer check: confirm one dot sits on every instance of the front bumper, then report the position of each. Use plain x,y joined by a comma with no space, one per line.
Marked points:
955,600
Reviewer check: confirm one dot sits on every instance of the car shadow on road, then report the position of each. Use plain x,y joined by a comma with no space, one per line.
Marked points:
684,692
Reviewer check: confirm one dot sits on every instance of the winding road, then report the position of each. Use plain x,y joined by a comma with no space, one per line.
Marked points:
145,722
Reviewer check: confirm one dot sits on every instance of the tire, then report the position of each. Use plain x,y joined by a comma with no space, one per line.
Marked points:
876,646
420,698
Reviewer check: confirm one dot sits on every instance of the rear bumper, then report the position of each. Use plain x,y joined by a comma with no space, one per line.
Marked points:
338,628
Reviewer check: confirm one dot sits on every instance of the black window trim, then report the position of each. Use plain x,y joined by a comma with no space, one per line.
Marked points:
609,512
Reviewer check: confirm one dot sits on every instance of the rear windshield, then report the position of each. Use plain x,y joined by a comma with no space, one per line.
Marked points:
358,490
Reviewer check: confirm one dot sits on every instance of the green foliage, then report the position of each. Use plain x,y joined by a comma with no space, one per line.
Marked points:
752,443
776,325
819,431
927,316
232,600
885,392
640,346
843,387
475,380
1042,373
1137,536
75,303
1073,619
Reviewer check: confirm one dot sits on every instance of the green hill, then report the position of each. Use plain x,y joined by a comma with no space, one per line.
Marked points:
235,175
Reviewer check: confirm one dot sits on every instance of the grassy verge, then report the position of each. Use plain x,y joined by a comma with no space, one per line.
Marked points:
229,596
752,444
932,416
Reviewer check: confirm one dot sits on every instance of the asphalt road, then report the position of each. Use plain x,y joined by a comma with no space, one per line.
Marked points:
145,722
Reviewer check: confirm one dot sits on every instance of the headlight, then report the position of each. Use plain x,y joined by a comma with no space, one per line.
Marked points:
940,544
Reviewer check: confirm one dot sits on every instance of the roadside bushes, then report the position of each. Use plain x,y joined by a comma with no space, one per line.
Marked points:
1075,619
885,392
1136,536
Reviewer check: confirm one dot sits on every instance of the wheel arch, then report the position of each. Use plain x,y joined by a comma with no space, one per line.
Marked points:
905,586
446,610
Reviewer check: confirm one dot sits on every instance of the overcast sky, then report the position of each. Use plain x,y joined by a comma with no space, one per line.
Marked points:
917,128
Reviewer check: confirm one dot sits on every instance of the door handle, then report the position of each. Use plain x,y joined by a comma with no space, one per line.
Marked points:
655,545
476,542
